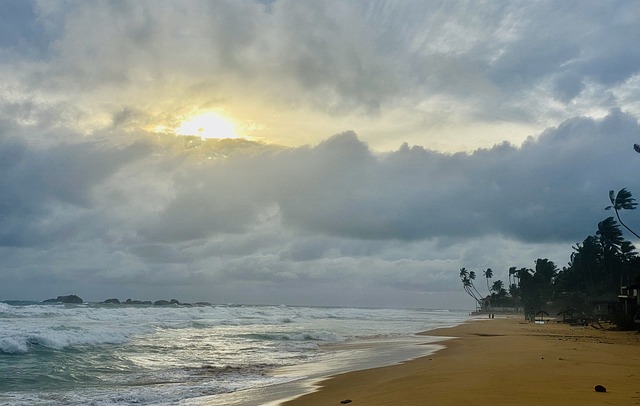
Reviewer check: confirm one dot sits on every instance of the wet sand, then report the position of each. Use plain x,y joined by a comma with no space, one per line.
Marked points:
501,361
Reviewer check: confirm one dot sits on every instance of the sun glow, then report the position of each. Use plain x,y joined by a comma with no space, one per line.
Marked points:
208,125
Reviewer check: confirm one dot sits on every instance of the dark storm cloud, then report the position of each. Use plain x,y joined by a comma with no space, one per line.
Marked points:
37,182
550,189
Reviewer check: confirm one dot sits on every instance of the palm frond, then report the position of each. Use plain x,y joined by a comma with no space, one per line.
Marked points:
624,200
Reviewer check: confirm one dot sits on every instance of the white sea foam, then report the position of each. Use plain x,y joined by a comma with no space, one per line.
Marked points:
159,355
58,327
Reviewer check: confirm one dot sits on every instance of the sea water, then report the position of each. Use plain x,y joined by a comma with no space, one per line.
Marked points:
98,354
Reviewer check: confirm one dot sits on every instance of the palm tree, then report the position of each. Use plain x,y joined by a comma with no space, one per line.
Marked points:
466,283
488,274
629,257
467,278
464,273
498,288
615,252
623,200
584,267
610,237
472,277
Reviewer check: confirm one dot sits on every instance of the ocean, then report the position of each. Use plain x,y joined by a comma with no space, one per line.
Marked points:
98,354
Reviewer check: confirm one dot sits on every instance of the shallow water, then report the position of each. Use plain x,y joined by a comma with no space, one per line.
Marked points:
117,354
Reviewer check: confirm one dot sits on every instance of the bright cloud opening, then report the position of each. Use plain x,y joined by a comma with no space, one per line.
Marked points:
208,125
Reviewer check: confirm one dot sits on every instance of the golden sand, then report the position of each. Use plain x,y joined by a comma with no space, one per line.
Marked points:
502,361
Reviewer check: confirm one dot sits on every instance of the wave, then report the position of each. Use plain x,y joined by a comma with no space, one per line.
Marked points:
146,355
295,336
22,341
30,326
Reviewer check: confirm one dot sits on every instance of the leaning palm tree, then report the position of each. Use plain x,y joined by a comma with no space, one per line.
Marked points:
488,274
472,277
467,278
623,200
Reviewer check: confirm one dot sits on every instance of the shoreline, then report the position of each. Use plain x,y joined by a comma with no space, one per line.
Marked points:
501,361
341,358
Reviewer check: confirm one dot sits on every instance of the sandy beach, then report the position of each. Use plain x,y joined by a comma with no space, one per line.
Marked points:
501,361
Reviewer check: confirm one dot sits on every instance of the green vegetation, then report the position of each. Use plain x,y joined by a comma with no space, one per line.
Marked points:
591,286
588,287
622,201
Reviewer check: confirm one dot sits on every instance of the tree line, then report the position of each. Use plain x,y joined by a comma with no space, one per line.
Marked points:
598,267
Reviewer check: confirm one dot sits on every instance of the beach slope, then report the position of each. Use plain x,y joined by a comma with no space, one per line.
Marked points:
502,361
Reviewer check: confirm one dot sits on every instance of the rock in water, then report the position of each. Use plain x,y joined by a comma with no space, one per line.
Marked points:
65,299
137,302
600,388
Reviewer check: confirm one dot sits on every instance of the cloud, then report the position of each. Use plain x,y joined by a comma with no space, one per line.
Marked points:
413,193
42,186
357,64
334,214
466,134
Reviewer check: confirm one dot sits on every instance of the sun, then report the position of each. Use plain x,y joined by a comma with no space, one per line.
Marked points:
208,125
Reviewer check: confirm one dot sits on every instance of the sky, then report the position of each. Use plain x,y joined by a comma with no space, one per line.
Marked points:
347,153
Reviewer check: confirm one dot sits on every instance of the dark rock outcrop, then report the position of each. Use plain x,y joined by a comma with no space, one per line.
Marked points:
137,302
172,302
65,299
600,388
